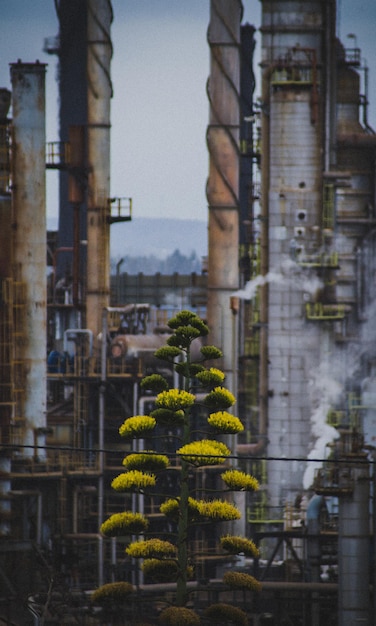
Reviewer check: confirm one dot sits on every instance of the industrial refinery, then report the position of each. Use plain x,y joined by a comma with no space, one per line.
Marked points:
288,292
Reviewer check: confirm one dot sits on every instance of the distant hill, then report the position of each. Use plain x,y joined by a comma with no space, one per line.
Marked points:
158,237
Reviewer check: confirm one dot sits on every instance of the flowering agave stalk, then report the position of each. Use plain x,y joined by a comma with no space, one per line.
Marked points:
174,408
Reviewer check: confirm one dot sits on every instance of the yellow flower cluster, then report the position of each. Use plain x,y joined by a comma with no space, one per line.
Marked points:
239,580
137,426
170,508
225,423
154,382
239,545
167,353
211,352
146,461
220,398
188,318
179,616
219,510
211,376
167,417
204,452
151,549
112,593
240,481
132,481
127,523
175,399
222,613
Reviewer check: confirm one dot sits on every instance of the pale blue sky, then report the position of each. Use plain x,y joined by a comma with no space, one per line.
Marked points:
160,109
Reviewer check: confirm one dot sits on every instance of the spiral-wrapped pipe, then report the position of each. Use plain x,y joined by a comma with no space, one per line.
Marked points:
100,17
223,94
223,182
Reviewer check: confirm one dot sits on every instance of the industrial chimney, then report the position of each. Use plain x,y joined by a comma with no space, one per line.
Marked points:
29,243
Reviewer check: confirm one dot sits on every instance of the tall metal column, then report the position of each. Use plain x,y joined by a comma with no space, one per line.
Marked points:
223,182
5,312
30,248
292,167
354,545
98,146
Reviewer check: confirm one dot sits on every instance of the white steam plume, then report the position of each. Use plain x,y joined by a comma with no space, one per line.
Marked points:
325,392
290,276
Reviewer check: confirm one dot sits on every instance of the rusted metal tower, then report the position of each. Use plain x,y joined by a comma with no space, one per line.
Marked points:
29,242
99,95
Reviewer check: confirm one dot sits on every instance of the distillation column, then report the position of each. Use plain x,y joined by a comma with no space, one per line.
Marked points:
223,182
292,165
98,146
29,243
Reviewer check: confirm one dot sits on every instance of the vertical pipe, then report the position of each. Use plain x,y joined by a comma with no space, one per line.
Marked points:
29,223
72,15
330,82
113,558
373,581
39,534
5,219
223,182
314,551
102,398
98,144
354,547
247,87
76,197
5,312
263,383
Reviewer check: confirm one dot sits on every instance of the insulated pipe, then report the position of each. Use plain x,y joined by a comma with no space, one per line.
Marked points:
330,82
354,546
264,263
131,347
101,416
5,220
76,196
216,584
134,346
98,146
30,247
315,506
223,182
361,140
71,332
253,449
5,272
